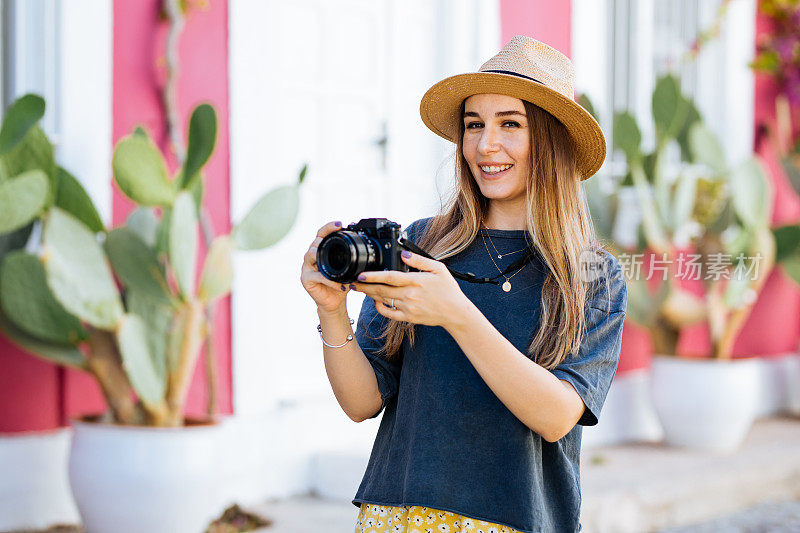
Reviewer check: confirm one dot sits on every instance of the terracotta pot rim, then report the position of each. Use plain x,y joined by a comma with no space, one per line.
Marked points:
190,423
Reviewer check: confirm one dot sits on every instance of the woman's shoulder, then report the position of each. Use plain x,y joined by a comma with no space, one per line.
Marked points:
607,279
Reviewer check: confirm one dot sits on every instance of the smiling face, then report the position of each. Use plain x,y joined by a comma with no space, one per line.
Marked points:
497,146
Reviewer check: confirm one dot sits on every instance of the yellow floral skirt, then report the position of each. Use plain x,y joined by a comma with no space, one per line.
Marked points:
412,519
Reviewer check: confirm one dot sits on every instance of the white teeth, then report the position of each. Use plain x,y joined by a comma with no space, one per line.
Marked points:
495,169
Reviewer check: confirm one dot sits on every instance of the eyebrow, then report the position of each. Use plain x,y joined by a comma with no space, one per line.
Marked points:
498,114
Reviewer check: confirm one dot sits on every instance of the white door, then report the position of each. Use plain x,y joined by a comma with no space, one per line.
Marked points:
308,85
336,84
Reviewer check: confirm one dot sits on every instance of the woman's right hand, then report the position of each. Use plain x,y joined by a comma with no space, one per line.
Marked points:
328,294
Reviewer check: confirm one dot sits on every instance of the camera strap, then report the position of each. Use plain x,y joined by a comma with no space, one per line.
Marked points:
469,276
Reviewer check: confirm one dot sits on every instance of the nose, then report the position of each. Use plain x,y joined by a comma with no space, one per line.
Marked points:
489,142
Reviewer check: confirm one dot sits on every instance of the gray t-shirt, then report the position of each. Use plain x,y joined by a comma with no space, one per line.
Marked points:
447,442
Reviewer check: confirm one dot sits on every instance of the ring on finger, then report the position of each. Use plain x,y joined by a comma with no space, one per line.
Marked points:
391,305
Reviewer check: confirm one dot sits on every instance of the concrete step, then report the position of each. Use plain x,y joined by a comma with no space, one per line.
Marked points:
647,487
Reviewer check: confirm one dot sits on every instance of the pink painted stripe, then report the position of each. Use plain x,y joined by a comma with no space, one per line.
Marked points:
139,74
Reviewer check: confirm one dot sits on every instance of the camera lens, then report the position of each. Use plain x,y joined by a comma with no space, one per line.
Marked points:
343,255
338,256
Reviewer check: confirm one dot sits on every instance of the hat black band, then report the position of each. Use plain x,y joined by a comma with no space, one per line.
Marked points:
517,74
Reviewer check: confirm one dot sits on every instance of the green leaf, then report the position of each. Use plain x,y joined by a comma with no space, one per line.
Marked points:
202,138
137,361
20,117
218,270
78,272
726,218
15,240
750,193
60,355
269,220
143,222
176,336
33,152
157,319
586,103
787,242
602,207
649,162
136,265
302,175
791,166
641,306
684,199
738,286
140,172
767,61
627,136
183,242
661,190
651,224
742,237
705,149
196,188
28,302
692,117
669,107
162,235
74,199
22,199
791,265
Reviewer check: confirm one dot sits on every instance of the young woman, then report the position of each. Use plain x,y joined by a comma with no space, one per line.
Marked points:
485,385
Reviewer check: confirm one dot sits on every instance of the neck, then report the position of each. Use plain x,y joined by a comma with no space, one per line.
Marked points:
505,217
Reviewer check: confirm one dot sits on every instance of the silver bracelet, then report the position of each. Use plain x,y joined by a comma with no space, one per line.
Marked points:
349,337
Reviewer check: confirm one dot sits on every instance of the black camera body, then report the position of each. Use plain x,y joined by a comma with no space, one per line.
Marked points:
370,244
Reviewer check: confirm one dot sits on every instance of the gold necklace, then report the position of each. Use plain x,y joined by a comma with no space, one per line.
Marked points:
499,255
507,284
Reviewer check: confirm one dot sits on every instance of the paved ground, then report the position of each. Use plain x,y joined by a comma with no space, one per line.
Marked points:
647,488
773,517
307,514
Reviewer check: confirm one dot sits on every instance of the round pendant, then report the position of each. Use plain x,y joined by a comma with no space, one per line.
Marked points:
499,256
507,286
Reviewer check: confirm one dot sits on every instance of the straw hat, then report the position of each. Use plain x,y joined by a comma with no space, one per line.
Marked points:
529,70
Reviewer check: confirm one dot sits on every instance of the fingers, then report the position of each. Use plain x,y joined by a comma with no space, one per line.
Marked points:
315,276
310,257
421,263
388,277
378,291
388,312
330,227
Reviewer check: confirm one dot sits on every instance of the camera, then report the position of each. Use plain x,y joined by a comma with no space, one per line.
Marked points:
370,244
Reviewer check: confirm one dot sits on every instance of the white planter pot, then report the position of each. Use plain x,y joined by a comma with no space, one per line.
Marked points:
705,403
129,479
34,490
791,372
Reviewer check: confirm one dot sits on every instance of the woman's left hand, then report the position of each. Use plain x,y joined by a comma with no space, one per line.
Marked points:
430,297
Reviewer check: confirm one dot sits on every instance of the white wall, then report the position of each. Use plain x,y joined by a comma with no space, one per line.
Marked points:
34,491
84,147
63,51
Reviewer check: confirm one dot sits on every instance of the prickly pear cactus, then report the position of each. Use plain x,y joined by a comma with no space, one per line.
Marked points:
78,272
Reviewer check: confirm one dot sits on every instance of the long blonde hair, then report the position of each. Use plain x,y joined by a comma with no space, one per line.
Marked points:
558,223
